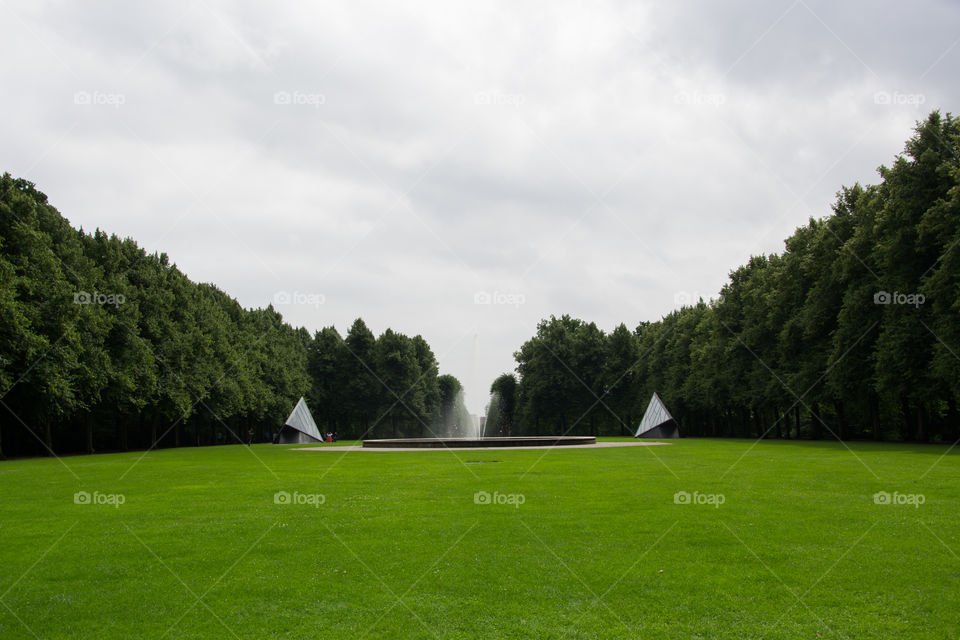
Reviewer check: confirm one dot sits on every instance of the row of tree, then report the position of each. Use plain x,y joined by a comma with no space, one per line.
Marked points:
382,386
852,332
103,346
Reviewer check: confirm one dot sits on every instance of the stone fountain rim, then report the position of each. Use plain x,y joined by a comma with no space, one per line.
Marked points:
493,442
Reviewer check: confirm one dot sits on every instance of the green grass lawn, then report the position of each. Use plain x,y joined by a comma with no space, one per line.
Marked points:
587,543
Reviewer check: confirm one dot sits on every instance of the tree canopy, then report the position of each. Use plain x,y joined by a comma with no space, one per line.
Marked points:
852,332
104,346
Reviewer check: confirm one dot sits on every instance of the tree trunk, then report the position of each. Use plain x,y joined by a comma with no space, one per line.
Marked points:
905,408
88,428
124,435
953,424
816,426
841,420
922,435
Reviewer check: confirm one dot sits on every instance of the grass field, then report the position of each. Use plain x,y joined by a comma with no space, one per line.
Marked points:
777,540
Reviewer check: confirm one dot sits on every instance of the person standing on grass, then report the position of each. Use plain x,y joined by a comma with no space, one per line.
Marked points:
249,436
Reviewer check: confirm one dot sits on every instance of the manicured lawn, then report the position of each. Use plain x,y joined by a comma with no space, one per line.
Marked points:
400,549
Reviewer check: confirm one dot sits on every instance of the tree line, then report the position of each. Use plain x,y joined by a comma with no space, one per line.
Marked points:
106,347
386,386
853,331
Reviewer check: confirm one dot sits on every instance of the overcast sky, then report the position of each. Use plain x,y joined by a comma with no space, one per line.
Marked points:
462,170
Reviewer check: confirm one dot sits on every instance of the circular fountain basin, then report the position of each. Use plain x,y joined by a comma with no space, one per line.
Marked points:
492,443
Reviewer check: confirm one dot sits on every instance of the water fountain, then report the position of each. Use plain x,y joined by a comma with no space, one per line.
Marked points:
477,428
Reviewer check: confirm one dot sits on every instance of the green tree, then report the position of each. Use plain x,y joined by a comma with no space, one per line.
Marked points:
504,389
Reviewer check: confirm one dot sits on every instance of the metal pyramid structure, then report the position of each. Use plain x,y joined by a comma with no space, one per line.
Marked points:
299,427
657,421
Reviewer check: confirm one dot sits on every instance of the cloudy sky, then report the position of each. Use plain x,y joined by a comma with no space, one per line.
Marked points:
462,170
